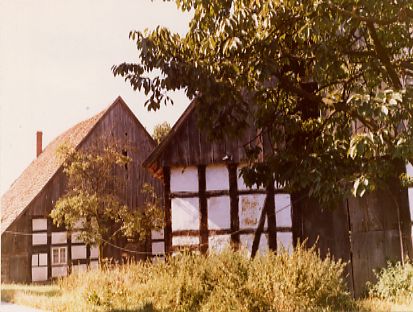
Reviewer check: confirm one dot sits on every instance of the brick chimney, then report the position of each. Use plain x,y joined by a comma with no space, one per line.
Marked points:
39,147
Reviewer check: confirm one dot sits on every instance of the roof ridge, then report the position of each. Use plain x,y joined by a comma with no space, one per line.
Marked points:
43,168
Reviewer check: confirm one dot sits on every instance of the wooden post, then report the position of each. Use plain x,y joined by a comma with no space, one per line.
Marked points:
167,205
203,209
260,228
234,209
271,214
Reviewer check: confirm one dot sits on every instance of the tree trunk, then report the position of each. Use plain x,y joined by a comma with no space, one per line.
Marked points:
100,255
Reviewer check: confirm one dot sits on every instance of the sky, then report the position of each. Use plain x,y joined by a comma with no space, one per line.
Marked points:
55,68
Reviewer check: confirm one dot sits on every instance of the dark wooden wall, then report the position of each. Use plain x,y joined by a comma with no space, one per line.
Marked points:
118,122
363,232
375,233
191,146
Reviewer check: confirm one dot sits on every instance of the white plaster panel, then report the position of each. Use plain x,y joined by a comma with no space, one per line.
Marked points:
219,213
250,207
79,268
218,243
39,274
94,264
59,237
185,213
75,237
247,240
35,260
43,259
409,172
283,210
285,240
39,238
94,252
185,240
59,271
39,224
78,252
184,179
158,248
217,178
157,234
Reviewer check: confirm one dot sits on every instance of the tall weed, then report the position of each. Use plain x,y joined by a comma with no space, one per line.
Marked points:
228,281
394,283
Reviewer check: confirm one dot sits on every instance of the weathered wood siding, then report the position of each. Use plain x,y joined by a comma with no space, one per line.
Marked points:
326,228
17,249
375,233
191,147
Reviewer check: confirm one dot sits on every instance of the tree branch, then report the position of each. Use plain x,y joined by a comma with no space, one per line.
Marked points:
384,57
377,21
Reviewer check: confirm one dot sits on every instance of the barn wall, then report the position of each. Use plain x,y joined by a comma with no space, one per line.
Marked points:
23,255
121,125
190,146
210,207
363,232
327,228
375,233
349,231
15,258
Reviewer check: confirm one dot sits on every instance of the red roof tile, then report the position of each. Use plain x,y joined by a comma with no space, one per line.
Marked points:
35,177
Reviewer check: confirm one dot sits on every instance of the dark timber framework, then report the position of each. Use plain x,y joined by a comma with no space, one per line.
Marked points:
268,211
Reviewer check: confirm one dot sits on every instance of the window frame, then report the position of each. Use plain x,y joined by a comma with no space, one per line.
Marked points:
61,260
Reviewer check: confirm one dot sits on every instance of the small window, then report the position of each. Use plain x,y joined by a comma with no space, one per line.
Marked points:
39,260
59,255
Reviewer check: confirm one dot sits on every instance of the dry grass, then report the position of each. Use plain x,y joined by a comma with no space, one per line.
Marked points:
374,304
226,282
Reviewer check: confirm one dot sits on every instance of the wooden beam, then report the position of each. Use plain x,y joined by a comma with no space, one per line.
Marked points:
297,218
234,205
203,209
272,223
260,228
49,251
167,207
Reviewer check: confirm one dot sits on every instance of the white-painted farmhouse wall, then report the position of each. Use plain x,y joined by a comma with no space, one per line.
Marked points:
54,251
231,211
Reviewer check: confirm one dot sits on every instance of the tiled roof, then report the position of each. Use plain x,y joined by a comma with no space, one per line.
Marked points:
35,177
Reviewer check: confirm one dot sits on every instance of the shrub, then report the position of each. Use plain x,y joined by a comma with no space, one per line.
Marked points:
394,283
229,281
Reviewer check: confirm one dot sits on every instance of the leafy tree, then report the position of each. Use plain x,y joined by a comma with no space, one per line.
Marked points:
161,131
328,83
94,197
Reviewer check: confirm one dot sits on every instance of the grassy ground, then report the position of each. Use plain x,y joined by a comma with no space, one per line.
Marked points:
45,297
52,298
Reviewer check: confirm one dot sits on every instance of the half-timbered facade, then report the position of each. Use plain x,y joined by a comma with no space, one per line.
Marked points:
208,206
32,247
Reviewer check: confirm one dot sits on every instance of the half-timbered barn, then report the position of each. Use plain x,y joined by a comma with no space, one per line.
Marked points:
32,247
208,206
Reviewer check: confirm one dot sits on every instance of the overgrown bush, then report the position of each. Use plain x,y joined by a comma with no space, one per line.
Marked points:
229,281
394,283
